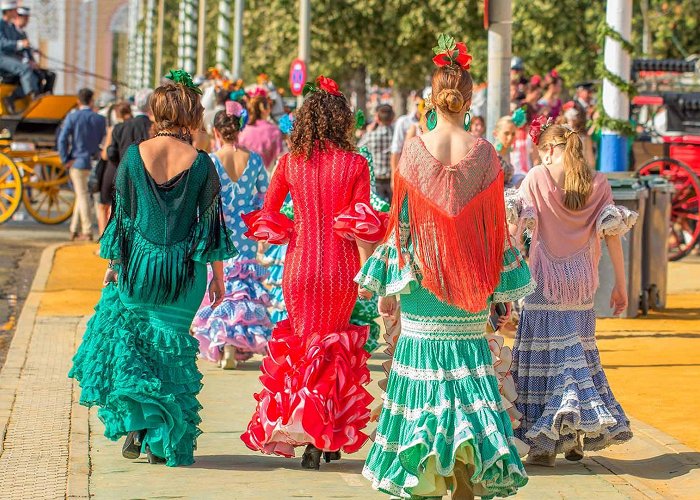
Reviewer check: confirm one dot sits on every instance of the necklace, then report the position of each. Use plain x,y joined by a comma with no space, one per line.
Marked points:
184,137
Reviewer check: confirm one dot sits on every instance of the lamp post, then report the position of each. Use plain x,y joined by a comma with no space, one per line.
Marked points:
238,39
614,156
500,16
304,36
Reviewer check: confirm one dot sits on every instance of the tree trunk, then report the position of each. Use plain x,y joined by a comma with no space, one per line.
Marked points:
399,97
359,80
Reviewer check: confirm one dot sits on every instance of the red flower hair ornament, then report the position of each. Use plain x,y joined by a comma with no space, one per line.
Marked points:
322,83
568,105
448,52
538,126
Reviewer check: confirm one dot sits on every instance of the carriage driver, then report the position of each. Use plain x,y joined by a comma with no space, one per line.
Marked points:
11,48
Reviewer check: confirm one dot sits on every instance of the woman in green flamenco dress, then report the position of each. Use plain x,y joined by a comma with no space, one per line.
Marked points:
137,361
443,424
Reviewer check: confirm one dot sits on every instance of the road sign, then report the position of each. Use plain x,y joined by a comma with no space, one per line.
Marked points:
297,76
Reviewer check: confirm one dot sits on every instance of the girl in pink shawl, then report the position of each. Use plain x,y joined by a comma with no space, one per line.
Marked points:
564,396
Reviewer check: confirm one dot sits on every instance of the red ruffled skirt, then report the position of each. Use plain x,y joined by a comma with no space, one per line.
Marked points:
313,392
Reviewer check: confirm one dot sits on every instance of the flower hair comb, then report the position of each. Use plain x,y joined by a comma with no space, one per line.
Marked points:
448,52
236,109
182,77
539,125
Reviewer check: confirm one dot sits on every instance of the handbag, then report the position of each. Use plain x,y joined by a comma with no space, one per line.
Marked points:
96,174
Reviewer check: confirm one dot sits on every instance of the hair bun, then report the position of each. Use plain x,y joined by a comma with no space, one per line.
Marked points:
450,100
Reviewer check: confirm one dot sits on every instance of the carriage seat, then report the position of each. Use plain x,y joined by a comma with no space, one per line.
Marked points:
8,79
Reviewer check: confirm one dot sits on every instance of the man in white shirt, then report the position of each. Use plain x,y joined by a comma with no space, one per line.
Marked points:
401,126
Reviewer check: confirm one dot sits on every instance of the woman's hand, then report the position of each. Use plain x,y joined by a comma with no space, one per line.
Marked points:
618,299
216,291
388,307
363,293
505,319
111,276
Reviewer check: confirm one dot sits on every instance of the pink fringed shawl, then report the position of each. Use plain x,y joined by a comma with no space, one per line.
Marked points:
565,247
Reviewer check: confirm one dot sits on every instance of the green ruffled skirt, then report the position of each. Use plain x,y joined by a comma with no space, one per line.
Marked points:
442,405
137,362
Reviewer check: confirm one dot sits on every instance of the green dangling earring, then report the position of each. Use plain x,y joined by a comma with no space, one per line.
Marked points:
431,119
467,121
498,146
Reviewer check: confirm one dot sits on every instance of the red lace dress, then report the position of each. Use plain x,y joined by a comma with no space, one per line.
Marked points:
314,375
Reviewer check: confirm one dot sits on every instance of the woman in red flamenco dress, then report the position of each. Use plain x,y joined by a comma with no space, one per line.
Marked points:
314,375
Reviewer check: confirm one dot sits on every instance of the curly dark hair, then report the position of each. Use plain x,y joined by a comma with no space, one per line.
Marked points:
228,126
323,117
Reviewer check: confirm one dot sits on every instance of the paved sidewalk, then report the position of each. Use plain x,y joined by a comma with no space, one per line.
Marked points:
54,448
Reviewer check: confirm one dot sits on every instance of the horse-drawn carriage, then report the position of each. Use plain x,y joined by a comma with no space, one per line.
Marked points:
668,111
31,171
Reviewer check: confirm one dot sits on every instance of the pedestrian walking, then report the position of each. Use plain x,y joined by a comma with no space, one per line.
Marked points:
137,360
240,326
378,143
79,144
443,425
107,168
565,398
261,135
134,131
313,380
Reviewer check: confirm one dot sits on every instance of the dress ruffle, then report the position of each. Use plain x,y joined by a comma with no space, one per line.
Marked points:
142,375
562,387
313,392
362,222
516,280
615,220
274,259
382,274
366,313
518,211
272,227
241,320
502,364
438,416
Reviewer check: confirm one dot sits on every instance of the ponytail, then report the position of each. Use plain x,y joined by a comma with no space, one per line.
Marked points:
578,177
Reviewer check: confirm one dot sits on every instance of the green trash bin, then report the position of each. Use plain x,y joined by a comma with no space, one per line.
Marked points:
631,193
657,218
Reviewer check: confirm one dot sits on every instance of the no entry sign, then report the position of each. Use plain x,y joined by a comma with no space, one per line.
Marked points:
297,76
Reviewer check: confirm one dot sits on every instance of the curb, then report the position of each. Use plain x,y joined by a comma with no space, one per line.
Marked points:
17,354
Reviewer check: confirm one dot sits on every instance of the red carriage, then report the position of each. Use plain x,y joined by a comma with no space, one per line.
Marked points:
668,111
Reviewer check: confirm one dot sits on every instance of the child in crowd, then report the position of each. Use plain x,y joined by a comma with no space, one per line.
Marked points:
564,396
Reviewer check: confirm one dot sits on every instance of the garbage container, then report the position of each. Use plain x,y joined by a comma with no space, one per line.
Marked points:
655,243
629,192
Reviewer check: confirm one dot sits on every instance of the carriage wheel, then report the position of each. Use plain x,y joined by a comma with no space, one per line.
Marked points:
10,188
47,194
684,228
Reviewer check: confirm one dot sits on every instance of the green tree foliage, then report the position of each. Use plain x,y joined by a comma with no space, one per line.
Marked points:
391,39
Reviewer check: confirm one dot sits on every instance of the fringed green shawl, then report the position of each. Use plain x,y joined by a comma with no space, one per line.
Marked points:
158,231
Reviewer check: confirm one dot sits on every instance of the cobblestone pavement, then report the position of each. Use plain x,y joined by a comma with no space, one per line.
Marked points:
54,448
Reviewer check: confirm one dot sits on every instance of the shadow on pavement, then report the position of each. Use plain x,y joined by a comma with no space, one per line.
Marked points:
666,466
269,463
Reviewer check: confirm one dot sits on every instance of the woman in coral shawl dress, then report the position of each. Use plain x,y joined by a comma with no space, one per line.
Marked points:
313,378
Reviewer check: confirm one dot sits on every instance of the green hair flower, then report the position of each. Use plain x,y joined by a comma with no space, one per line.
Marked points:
182,77
359,119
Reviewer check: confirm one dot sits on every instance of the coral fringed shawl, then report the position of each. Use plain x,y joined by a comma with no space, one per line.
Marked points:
457,221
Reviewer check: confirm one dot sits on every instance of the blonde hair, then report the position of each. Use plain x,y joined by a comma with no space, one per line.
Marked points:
503,120
578,176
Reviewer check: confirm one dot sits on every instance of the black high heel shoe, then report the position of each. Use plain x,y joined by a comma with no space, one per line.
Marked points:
331,455
152,459
311,459
132,444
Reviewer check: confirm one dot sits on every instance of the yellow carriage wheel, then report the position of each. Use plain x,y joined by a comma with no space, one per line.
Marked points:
47,194
10,188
